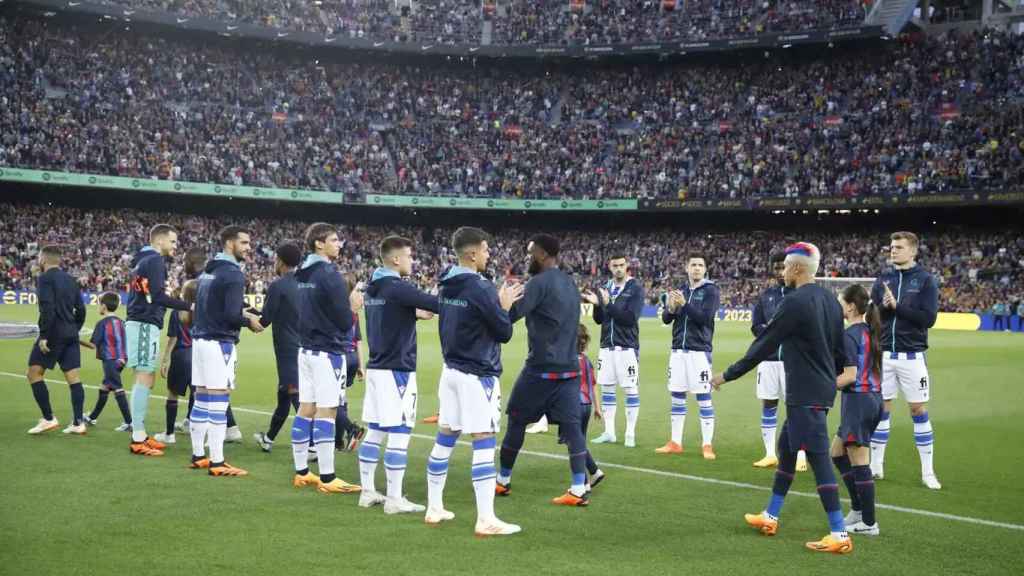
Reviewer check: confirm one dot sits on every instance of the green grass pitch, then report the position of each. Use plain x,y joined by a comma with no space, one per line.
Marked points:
84,505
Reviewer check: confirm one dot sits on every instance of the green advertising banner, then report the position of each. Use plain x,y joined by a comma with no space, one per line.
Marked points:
167,186
496,203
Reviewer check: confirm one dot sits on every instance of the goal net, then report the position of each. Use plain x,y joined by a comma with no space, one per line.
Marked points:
837,285
16,330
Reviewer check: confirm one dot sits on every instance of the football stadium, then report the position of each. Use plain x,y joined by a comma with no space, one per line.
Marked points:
511,286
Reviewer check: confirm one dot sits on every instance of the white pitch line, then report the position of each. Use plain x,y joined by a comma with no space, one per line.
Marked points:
667,474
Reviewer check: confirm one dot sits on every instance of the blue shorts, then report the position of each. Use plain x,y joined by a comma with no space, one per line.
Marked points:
63,352
351,367
112,374
533,397
861,413
179,373
805,428
287,369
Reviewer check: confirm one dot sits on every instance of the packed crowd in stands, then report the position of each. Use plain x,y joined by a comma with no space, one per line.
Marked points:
629,21
441,21
526,21
976,270
918,116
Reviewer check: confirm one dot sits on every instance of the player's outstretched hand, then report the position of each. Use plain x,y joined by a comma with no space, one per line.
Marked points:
718,381
589,296
509,295
87,344
424,314
355,300
254,323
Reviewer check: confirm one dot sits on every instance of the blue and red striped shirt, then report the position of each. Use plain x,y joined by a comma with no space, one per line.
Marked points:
109,338
587,380
857,346
180,330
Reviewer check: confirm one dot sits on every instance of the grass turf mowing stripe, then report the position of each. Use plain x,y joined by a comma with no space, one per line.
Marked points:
663,473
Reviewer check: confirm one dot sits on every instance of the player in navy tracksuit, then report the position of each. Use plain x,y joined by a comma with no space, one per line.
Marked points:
473,323
692,312
219,316
549,382
771,374
61,315
108,339
389,406
147,303
862,407
325,316
809,328
281,310
908,298
617,309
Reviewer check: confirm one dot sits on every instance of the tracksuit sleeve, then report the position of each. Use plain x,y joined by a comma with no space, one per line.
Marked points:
234,302
270,305
413,297
339,312
532,296
627,312
499,322
758,321
47,307
924,313
158,288
80,310
768,342
705,313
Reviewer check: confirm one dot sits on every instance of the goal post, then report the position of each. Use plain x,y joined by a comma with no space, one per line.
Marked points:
837,285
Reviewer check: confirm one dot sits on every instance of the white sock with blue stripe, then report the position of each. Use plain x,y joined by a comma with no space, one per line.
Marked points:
632,410
609,405
199,424
369,455
678,416
437,469
302,430
218,427
769,423
925,439
707,418
395,459
484,477
323,438
879,440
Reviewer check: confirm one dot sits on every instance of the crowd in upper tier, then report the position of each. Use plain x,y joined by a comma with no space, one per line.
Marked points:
516,22
914,116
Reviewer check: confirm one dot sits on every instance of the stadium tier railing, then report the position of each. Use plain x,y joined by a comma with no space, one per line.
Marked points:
803,203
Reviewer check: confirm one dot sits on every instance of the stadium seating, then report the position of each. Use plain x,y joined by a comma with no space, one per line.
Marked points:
976,269
526,21
918,116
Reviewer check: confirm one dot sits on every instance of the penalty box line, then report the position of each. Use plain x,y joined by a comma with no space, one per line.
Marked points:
664,473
